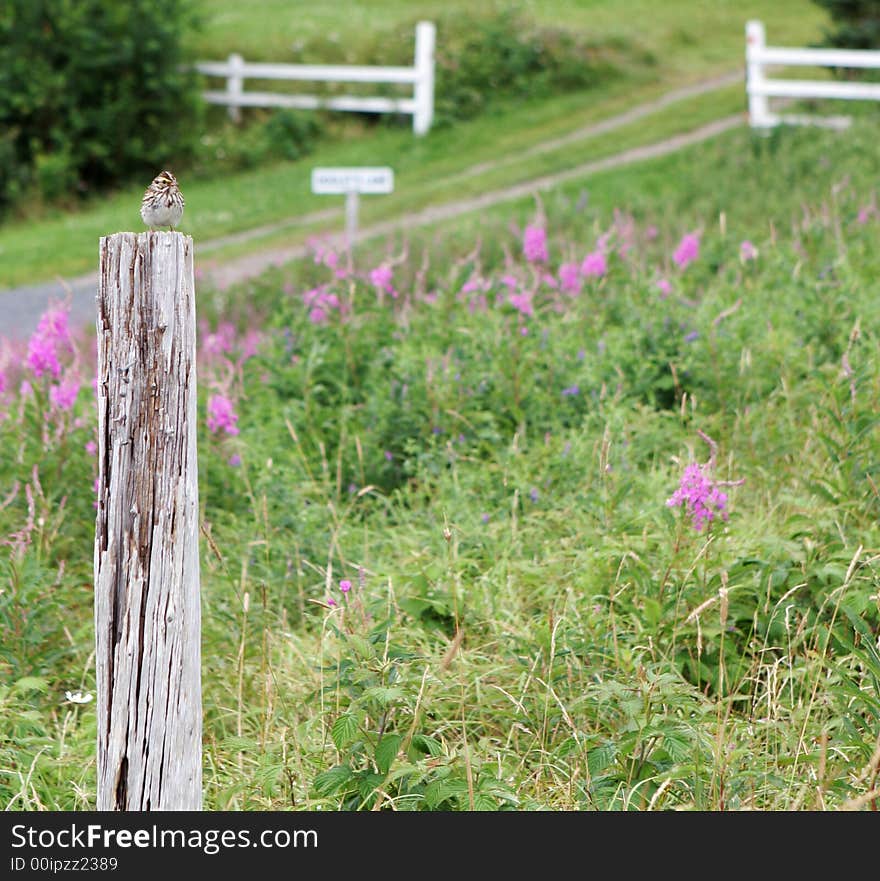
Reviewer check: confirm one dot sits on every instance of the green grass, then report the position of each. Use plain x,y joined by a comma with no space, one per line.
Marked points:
700,39
689,35
530,626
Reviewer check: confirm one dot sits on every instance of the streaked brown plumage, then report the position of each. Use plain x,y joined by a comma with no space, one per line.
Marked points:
162,204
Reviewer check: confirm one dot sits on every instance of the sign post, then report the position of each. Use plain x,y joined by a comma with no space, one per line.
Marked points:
351,182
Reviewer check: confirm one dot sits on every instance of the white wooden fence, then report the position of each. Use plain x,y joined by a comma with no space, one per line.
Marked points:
420,75
760,88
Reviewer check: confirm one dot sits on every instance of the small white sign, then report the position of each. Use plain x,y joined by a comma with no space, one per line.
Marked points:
339,181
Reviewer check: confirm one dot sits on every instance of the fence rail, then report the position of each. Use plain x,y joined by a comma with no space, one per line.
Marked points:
760,88
421,76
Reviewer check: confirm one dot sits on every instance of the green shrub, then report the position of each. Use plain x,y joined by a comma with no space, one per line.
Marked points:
482,58
91,93
856,23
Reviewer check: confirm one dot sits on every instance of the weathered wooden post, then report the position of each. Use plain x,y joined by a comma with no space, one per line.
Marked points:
147,614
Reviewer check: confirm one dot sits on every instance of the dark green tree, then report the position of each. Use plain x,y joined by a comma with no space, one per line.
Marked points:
856,23
92,93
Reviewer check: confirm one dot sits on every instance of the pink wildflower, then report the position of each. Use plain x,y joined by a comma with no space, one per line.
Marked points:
595,265
91,447
222,415
42,357
535,244
700,496
664,286
687,251
747,251
381,277
570,278
345,585
63,395
522,302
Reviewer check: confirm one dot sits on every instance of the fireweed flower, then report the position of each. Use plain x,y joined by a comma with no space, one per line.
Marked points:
222,415
595,265
664,287
42,357
535,244
687,251
570,278
380,278
522,302
63,395
700,496
699,493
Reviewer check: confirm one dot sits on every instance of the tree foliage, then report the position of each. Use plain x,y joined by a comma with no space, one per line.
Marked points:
92,92
856,23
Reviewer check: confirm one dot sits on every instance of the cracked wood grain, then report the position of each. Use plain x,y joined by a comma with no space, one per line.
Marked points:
147,613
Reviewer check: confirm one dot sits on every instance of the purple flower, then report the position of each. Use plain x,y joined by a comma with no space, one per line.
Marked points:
345,585
381,279
523,303
484,518
687,251
533,494
570,278
700,496
535,244
63,395
691,337
91,447
571,391
222,415
42,357
747,251
235,460
664,287
388,455
595,265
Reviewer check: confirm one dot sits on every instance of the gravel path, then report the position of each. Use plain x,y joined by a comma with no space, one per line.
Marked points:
20,308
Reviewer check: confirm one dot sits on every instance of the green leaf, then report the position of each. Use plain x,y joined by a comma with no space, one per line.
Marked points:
331,781
427,745
386,751
382,694
484,802
344,730
600,758
361,647
31,683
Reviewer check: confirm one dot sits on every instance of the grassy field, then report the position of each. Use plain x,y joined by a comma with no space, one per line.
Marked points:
686,41
484,444
691,36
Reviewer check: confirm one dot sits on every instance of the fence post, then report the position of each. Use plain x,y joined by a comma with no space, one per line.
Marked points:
352,203
235,86
147,615
759,112
423,92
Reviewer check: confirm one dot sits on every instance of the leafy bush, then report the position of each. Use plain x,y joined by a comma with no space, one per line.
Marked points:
91,93
280,134
856,23
482,58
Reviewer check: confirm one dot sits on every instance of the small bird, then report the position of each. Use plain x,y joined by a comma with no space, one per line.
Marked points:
162,204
